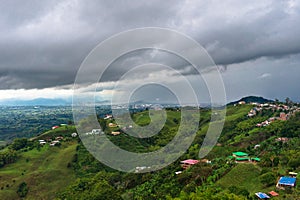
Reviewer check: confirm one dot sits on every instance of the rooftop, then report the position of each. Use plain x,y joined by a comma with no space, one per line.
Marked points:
239,153
288,181
262,195
190,161
274,194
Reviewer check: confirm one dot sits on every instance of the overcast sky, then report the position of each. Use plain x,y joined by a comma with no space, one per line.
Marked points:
256,44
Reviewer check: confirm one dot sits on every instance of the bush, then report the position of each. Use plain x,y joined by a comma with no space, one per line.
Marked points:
22,189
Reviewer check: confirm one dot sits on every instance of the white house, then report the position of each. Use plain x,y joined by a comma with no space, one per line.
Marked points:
74,134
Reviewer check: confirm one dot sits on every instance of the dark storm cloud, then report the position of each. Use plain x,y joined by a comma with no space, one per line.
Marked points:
42,43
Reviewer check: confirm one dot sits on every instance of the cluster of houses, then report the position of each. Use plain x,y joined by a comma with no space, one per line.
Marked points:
56,141
285,114
282,117
51,142
282,183
113,125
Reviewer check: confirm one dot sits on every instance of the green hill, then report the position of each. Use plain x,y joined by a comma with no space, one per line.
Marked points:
45,171
69,171
252,99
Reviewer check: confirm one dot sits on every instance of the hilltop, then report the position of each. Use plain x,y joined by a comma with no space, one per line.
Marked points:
252,99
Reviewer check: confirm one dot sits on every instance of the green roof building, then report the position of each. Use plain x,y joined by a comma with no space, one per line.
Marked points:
255,159
239,154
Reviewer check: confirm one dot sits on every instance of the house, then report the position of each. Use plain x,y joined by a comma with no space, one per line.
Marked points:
255,159
283,116
286,182
188,163
74,134
178,172
293,174
140,169
54,143
262,195
108,117
259,125
115,132
205,161
240,156
252,113
282,139
96,131
273,194
55,127
59,138
242,102
42,142
112,125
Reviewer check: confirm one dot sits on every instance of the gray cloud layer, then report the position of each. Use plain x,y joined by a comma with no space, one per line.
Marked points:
42,43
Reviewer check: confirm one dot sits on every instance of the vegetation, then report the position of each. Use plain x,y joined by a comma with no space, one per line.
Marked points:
29,170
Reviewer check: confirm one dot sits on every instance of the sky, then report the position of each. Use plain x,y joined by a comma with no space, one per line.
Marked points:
255,44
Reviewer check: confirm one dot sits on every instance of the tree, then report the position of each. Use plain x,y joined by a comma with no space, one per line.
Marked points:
294,163
268,179
19,143
22,189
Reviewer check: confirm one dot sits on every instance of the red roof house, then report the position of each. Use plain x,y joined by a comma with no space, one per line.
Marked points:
54,127
187,163
274,194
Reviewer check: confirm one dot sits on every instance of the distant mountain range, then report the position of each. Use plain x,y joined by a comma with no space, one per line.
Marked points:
36,102
68,102
250,99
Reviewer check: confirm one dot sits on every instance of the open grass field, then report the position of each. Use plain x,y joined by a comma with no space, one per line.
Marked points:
44,171
244,176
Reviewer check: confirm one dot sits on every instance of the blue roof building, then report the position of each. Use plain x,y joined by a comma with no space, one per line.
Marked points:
262,195
286,181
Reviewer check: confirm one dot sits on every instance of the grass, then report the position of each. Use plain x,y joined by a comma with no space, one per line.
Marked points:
235,112
244,176
44,171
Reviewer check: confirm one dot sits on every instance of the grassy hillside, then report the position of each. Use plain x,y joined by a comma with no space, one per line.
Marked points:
45,172
244,176
69,171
